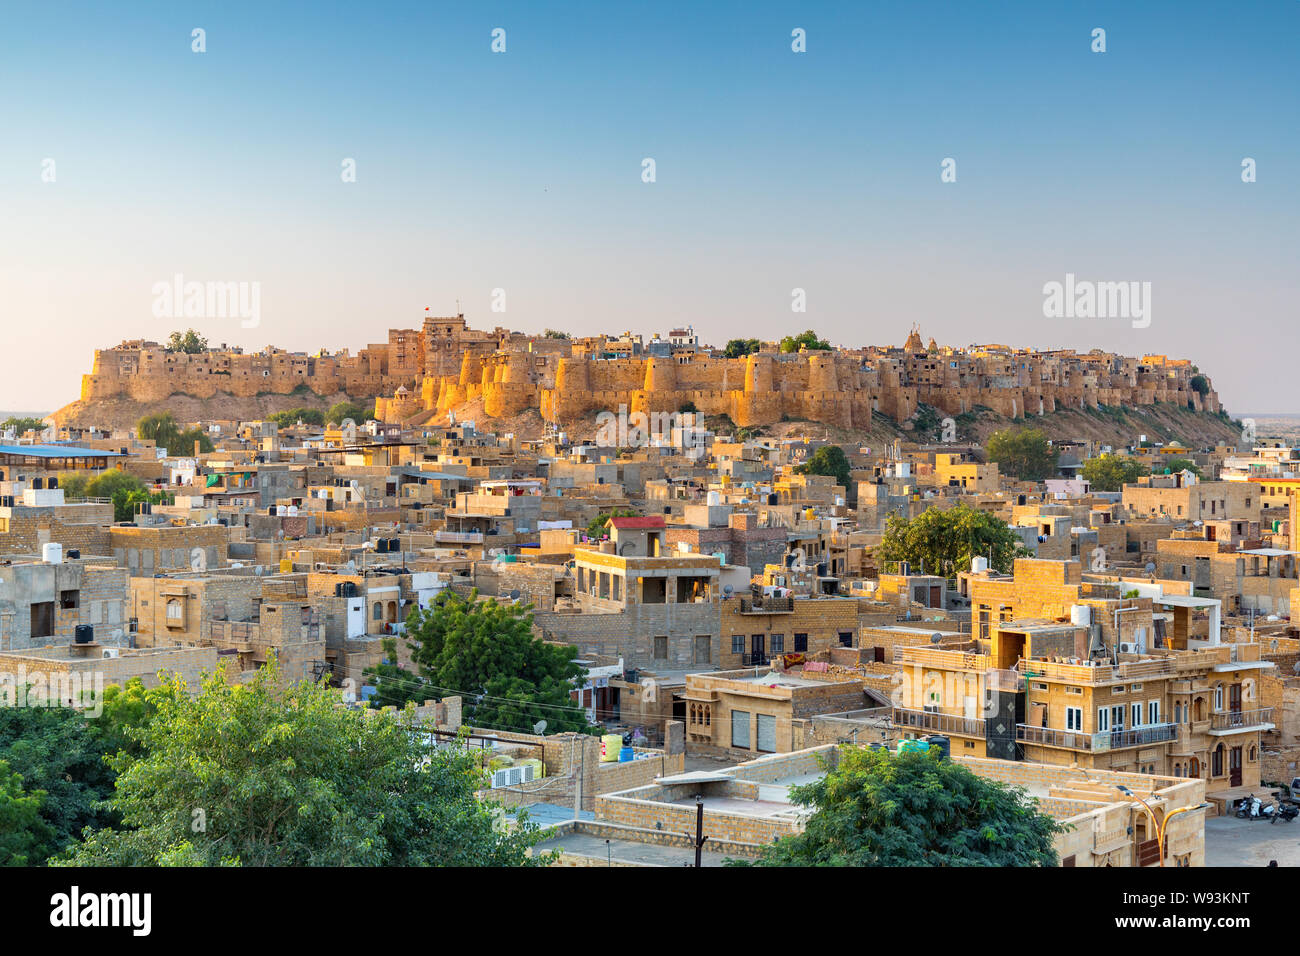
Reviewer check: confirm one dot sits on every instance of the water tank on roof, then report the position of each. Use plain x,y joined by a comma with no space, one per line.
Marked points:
1080,615
52,552
714,498
978,564
84,634
941,743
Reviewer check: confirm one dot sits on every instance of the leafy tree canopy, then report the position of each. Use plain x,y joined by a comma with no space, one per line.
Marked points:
598,524
308,416
20,425
827,460
276,774
189,342
56,751
360,414
877,808
24,835
395,686
807,340
163,431
1110,472
739,348
486,652
943,541
1025,454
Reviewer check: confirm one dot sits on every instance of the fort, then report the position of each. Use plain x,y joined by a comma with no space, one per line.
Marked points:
419,375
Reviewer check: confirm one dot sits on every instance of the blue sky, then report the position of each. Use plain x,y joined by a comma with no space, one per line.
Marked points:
775,170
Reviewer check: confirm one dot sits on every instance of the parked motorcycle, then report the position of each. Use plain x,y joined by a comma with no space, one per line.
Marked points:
1252,808
1286,812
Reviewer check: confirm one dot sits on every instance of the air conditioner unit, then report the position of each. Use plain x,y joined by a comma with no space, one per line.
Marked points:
110,652
1128,648
512,776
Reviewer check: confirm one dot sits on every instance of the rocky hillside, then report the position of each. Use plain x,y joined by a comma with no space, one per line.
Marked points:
124,412
1116,426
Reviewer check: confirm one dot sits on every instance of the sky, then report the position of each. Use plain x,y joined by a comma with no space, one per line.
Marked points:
127,158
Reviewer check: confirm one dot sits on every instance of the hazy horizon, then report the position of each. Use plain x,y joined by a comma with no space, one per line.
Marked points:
775,170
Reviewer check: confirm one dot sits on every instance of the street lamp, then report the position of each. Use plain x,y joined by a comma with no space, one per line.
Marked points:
1159,826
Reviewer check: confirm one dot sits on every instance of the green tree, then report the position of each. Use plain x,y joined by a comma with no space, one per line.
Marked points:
161,429
877,808
485,651
739,348
555,334
599,524
1026,454
360,414
1110,472
24,836
188,341
126,710
1200,385
271,773
73,484
395,686
1176,465
56,751
308,416
185,442
20,425
943,541
807,340
827,460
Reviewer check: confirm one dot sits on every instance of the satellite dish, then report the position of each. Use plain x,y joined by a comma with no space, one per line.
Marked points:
539,728
727,589
936,638
515,595
1151,566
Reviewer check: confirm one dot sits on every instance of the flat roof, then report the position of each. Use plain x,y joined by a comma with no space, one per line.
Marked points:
1186,600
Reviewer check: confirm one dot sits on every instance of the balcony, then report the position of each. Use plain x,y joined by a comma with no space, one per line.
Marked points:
1236,721
1096,673
937,723
1096,743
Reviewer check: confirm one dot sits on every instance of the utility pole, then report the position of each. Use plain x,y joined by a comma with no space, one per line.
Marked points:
699,828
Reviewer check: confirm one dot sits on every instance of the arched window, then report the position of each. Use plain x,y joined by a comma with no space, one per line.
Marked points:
378,612
173,610
1218,698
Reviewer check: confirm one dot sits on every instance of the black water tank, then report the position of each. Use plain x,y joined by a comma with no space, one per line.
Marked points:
73,553
85,634
394,545
940,741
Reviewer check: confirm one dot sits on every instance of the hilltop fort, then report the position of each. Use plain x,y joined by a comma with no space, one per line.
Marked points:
419,375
